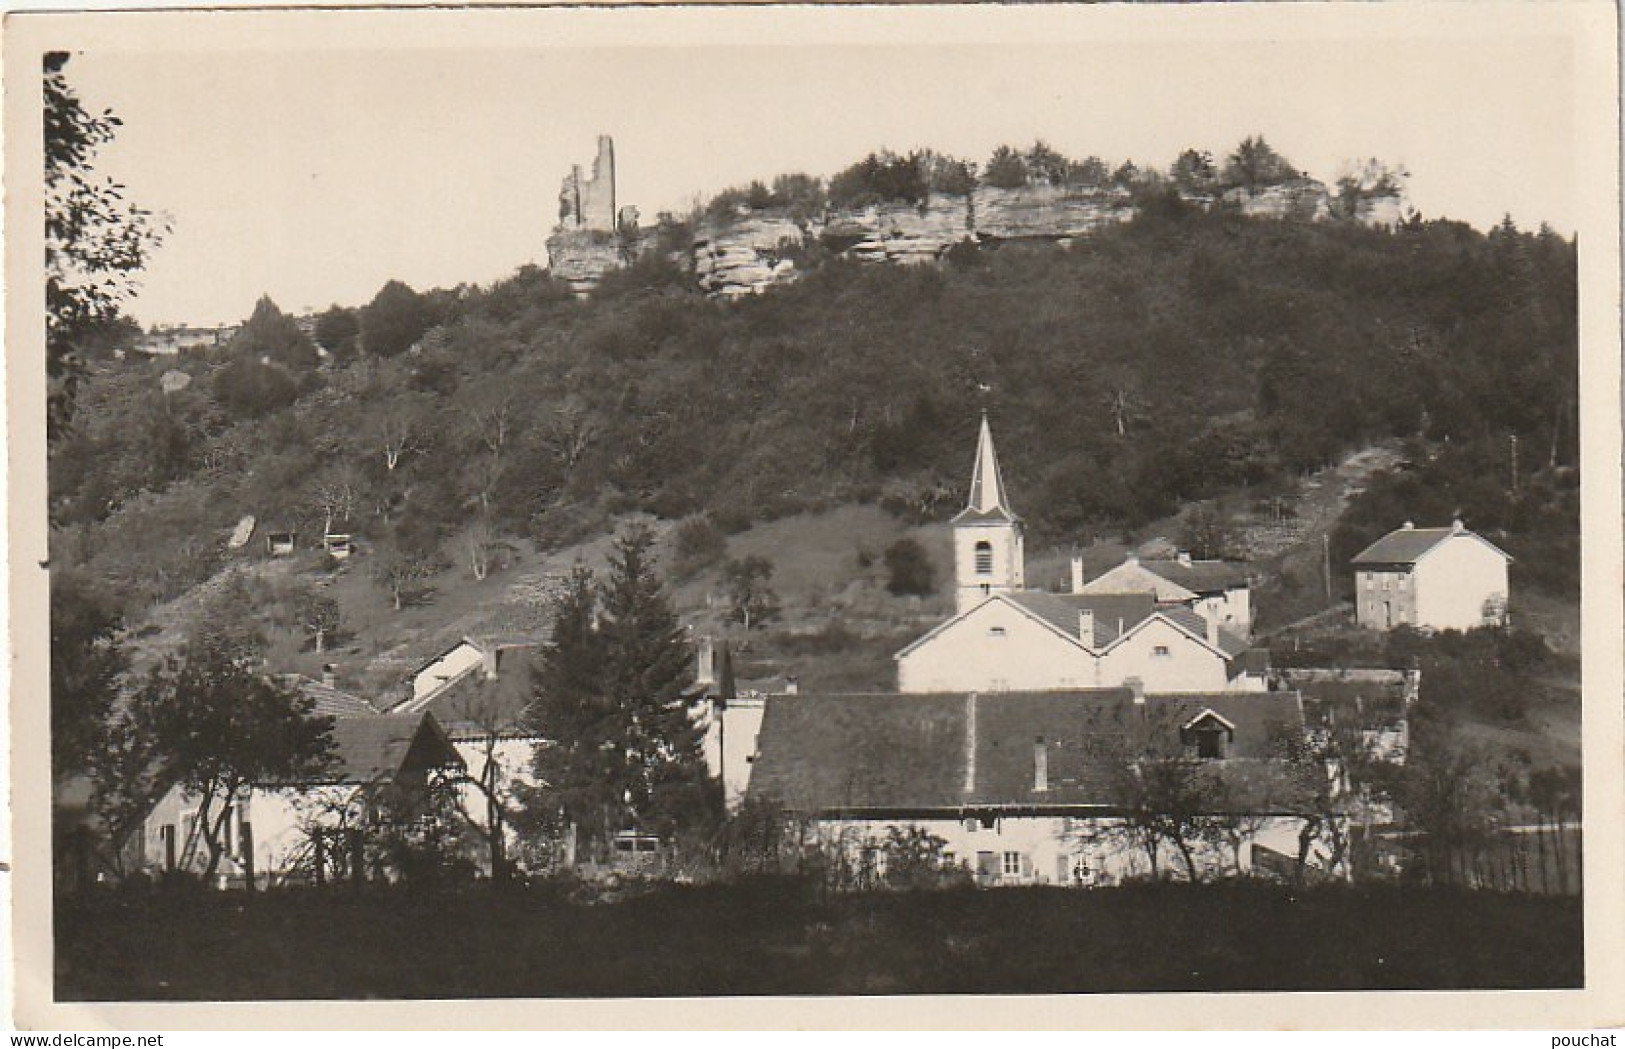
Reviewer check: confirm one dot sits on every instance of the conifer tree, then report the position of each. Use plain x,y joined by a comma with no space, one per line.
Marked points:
648,671
622,749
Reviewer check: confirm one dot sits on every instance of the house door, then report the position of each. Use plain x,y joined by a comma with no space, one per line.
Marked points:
1387,614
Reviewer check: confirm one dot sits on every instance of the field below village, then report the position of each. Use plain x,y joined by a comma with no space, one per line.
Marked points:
784,938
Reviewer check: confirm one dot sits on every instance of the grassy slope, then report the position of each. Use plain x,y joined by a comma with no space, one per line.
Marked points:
770,938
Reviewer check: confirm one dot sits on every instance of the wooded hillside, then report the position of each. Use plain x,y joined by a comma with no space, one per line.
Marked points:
1182,355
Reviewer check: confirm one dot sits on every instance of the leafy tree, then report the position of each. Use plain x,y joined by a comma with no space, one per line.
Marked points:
1006,169
402,566
86,661
273,336
338,331
396,318
1194,172
1044,164
1090,172
1255,164
751,600
319,617
221,727
909,569
250,389
96,241
697,544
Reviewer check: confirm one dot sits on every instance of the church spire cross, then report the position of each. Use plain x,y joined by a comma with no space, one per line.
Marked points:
986,483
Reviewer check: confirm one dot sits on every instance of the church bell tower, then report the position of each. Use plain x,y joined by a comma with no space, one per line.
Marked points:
988,554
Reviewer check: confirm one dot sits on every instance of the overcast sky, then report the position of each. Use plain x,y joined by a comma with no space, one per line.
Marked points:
314,165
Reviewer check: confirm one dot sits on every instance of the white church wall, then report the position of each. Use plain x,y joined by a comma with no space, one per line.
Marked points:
1166,659
995,648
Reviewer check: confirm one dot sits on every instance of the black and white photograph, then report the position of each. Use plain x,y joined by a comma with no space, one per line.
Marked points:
809,503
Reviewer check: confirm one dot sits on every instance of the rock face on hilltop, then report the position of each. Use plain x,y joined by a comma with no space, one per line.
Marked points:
746,254
754,249
899,232
1048,212
750,249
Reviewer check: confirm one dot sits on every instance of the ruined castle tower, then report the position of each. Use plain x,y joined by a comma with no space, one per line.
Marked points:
589,203
592,236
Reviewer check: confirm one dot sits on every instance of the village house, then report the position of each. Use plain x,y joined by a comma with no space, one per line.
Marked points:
1023,723
1005,637
485,716
1431,579
279,833
1029,788
1218,591
487,655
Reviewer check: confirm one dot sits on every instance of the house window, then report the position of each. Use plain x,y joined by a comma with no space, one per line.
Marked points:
984,558
1160,650
997,631
990,822
1012,864
1210,743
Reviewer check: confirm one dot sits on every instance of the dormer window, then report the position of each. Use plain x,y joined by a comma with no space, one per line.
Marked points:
984,558
1209,742
1209,734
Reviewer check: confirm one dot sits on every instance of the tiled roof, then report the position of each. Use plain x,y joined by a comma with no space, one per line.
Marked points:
474,705
861,751
956,751
378,748
1404,546
1230,644
1115,614
1199,577
333,702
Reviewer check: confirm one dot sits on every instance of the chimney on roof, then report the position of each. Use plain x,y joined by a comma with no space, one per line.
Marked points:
1457,527
1132,558
1077,573
705,670
1086,627
1136,686
1409,525
1213,630
330,675
1184,558
792,685
1040,765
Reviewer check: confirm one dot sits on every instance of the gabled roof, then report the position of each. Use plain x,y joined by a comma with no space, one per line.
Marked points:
987,501
330,701
1200,577
949,753
373,749
1406,546
1115,614
1231,645
1059,613
475,705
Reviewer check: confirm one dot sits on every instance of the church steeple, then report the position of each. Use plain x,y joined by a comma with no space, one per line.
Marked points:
986,483
988,549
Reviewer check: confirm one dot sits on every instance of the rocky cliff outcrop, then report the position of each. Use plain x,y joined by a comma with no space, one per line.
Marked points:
899,232
1300,199
1047,212
747,254
581,257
